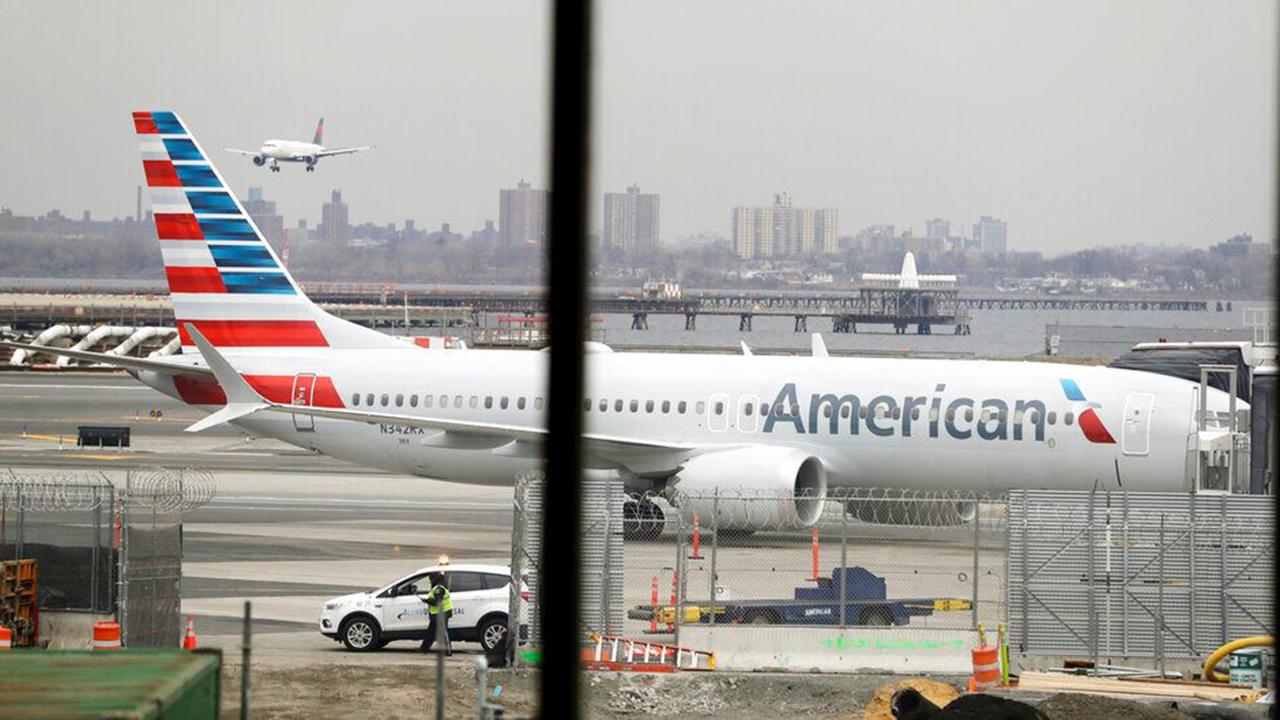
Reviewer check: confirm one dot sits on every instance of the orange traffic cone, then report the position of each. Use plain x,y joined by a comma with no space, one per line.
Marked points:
189,640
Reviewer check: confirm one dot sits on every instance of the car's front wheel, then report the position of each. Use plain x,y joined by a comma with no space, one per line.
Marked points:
361,634
492,633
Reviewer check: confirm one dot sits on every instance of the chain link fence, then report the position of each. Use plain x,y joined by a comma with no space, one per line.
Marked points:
769,562
1147,575
105,542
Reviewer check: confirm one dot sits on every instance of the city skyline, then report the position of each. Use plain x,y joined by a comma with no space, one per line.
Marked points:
1162,132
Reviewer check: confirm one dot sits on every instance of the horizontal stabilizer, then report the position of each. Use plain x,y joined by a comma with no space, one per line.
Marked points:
164,367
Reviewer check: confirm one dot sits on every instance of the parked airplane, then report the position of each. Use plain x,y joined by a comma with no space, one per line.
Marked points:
258,354
908,278
278,151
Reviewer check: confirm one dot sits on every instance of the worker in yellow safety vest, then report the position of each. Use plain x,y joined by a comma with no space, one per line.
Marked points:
440,609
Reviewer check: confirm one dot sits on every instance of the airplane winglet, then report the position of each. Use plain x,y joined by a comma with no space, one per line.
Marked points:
819,346
242,399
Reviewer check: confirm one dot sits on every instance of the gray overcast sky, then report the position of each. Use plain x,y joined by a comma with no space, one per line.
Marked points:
1081,123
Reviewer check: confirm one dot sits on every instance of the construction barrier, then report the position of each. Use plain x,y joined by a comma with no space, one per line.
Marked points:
106,635
621,654
6,638
986,668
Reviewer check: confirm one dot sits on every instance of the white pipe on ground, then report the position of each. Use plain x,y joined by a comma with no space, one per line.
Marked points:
169,348
94,337
49,335
137,338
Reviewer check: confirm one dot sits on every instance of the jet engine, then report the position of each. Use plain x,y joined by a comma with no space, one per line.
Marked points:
259,160
752,488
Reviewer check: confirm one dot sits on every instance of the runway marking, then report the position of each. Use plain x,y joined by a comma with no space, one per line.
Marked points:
33,436
39,386
103,457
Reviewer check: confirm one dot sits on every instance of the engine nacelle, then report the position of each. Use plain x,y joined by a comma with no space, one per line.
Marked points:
753,488
259,160
312,159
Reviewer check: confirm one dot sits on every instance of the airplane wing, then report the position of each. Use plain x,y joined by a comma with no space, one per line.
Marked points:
641,455
241,152
342,151
164,367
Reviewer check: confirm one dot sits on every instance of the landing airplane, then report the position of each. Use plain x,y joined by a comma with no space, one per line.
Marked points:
258,354
278,151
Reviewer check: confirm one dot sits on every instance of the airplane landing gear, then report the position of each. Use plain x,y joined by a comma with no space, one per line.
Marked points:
642,520
311,168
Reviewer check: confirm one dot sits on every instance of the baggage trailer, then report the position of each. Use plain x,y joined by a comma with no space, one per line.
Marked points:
866,602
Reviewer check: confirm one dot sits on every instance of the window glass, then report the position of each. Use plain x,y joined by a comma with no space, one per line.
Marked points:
795,411
719,408
503,403
494,581
897,413
427,400
457,401
1052,417
520,403
915,413
355,398
413,400
700,408
385,399
463,581
846,410
862,412
951,414
648,406
933,413
1066,418
617,406
635,405
586,405
368,399
604,405
399,399
473,402
488,402
537,403
680,407
666,407
747,409
416,585
444,401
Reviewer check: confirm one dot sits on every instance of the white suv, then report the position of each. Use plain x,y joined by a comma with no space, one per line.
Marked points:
369,620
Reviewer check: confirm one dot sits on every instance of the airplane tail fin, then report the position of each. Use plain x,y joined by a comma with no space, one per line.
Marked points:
224,278
319,138
910,279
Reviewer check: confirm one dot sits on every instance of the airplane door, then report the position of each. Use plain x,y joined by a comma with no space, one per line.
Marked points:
748,413
1136,435
304,386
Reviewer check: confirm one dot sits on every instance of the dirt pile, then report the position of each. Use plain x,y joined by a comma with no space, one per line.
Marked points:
655,695
1069,706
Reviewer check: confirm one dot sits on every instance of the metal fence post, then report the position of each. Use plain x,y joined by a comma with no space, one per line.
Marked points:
977,527
844,563
1026,591
715,546
93,553
679,579
1160,551
515,601
244,662
1222,558
18,549
1124,574
1091,569
1192,616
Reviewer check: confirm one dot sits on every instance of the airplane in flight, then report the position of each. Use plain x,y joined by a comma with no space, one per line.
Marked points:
258,354
278,151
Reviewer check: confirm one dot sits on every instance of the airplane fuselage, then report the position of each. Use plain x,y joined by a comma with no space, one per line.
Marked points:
290,151
956,424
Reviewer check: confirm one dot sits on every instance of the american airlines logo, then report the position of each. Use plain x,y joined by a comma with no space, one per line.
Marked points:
961,418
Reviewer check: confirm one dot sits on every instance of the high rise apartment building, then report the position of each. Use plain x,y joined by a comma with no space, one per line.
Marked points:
631,222
782,230
522,215
335,225
264,215
991,235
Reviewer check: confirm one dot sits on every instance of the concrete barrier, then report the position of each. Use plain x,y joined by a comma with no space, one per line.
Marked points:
799,649
68,629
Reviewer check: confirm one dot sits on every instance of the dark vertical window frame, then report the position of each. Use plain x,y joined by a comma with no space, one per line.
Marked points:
566,250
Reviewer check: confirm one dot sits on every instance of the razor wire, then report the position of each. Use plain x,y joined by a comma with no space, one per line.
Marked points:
170,490
53,491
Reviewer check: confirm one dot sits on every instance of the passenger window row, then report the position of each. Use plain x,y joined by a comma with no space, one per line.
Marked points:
443,401
680,407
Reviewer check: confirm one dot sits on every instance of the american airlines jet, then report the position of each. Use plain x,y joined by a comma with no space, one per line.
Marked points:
258,354
278,151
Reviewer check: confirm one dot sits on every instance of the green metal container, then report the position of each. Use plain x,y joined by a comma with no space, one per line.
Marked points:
125,684
1246,667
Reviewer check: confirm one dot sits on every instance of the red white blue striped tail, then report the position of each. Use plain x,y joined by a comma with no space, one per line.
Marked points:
224,278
